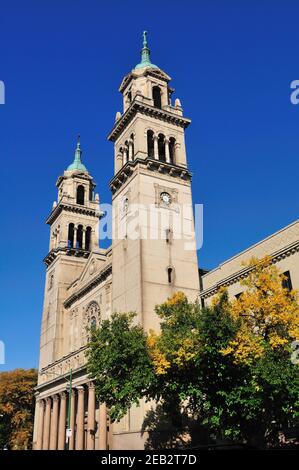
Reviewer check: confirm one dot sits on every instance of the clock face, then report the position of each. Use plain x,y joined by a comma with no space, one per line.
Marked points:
165,198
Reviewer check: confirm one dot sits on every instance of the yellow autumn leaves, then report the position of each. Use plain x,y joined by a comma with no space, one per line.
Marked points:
266,312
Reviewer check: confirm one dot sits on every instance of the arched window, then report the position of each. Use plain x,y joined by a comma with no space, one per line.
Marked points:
79,236
170,275
70,238
157,97
91,319
127,149
80,194
161,147
90,193
88,239
150,144
172,150
132,143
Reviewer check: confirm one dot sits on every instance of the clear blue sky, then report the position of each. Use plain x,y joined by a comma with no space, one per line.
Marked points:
62,62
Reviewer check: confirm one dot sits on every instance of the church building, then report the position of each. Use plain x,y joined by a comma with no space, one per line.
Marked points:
152,256
86,283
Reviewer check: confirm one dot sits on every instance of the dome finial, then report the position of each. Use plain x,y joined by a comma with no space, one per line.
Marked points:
77,164
145,54
144,38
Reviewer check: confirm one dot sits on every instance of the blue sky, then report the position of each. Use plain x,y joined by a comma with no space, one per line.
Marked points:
62,62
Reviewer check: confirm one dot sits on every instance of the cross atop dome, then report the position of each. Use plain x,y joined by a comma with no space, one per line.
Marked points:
145,55
77,164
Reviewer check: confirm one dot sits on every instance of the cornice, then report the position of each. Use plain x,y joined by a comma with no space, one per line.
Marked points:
151,164
69,208
139,107
243,273
52,255
102,276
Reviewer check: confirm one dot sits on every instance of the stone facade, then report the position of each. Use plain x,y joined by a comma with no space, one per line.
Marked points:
85,283
282,247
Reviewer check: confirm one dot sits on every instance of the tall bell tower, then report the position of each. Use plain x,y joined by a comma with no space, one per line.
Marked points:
73,223
154,252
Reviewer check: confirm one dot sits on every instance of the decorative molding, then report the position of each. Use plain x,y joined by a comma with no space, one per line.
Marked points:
151,164
101,277
243,273
138,106
70,208
52,255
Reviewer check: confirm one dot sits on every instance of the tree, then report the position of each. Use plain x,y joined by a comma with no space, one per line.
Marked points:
227,366
17,408
119,363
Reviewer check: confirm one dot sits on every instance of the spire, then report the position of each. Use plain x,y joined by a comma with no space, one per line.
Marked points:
145,55
77,164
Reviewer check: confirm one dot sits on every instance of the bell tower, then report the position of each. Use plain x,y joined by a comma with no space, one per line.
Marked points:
151,192
73,223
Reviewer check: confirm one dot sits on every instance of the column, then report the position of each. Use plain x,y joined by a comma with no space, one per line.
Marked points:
130,150
54,423
46,433
83,238
167,157
80,420
62,422
124,156
156,150
118,162
103,427
91,417
75,237
72,421
40,424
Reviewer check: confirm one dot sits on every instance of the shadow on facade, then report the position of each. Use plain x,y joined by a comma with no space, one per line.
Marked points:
171,429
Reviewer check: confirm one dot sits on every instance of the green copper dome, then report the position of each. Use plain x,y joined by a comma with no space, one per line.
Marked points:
145,55
77,164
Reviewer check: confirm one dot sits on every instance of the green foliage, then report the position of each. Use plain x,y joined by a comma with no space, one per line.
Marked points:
184,369
119,363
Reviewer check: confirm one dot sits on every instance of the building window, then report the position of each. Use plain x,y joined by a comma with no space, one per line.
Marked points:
88,239
93,322
202,301
157,97
91,319
161,147
286,281
150,144
170,275
80,194
172,150
79,236
132,146
70,242
238,295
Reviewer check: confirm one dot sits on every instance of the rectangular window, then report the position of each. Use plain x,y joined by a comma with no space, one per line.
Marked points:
287,282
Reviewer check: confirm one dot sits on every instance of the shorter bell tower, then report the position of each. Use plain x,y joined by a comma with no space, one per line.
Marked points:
74,234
